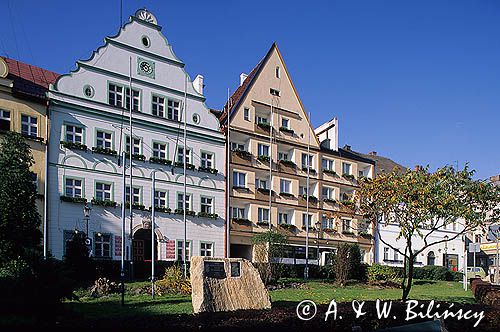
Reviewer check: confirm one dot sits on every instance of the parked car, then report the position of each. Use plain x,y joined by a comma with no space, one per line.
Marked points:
475,272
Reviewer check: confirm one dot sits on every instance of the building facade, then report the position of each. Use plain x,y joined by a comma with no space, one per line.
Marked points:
284,175
23,106
449,254
89,110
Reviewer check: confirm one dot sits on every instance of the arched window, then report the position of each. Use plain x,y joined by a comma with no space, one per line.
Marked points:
431,258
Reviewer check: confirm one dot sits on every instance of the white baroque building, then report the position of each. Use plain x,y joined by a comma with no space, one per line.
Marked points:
90,127
449,254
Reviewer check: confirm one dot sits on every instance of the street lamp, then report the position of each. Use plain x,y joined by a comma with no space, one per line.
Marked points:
318,225
446,251
86,215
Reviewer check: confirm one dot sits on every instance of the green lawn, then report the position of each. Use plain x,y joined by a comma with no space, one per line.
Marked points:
319,292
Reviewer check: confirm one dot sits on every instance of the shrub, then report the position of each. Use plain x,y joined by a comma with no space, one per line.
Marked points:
378,272
434,273
103,287
173,282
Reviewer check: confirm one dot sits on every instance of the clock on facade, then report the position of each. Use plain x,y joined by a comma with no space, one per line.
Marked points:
145,67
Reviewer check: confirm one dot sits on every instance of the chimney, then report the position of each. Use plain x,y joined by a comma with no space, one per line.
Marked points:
373,153
243,77
328,134
198,84
347,147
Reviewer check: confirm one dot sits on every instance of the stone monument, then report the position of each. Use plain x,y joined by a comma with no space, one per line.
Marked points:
226,284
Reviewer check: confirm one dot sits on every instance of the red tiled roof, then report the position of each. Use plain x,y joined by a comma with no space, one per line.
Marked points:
30,80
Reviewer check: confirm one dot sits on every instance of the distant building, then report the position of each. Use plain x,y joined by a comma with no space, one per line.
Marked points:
23,109
449,254
135,69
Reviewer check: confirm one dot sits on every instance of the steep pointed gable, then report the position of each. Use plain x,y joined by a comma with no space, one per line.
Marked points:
257,85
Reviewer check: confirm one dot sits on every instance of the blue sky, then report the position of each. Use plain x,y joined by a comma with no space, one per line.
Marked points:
417,81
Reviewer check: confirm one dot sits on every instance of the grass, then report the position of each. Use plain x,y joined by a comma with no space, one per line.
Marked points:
318,291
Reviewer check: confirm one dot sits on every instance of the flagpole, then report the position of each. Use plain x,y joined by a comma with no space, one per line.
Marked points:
153,234
271,164
131,148
228,177
124,199
306,272
185,188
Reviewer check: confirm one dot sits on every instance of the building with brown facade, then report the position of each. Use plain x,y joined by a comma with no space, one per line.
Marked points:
286,175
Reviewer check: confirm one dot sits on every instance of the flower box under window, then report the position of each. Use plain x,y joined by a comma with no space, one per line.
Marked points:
329,200
329,172
208,170
264,158
349,177
241,188
287,130
288,163
101,150
135,206
190,167
329,230
312,199
74,145
311,229
242,221
161,161
312,171
208,215
265,191
105,202
33,137
287,195
73,199
140,157
243,154
345,232
365,235
162,209
288,227
262,223
188,213
346,203
264,126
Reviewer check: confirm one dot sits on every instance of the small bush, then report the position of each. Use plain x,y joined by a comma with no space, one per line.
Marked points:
435,273
378,272
173,282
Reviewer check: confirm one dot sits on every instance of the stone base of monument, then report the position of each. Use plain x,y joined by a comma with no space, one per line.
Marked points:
226,284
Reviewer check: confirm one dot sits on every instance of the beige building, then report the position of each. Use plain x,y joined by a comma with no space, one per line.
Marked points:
23,106
272,141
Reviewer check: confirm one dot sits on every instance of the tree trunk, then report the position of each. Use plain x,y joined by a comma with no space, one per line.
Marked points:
409,277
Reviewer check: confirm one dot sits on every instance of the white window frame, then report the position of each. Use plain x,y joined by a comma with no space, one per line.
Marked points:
238,213
239,179
204,203
262,212
178,247
72,130
4,117
99,242
136,99
104,191
330,192
261,119
246,114
31,127
103,141
160,150
285,186
304,160
237,146
348,167
189,201
328,164
161,198
206,249
348,222
262,149
158,106
309,220
136,193
118,95
207,159
283,218
137,142
73,186
173,110
180,153
261,183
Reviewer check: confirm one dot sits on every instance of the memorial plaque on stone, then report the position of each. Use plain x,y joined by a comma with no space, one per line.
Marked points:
235,269
215,270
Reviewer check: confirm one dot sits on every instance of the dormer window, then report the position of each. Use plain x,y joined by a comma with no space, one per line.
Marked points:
274,92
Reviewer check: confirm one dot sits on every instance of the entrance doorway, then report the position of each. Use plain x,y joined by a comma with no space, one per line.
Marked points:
142,246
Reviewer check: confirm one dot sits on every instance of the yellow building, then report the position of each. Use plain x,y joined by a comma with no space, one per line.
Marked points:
271,186
23,106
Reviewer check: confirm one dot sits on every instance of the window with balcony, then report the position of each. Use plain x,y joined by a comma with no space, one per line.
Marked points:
283,218
29,125
346,169
238,213
263,150
307,220
328,164
237,146
260,119
263,215
285,186
261,183
282,156
327,193
4,120
239,180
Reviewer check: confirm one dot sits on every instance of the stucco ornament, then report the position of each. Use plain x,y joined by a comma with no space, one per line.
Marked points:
144,15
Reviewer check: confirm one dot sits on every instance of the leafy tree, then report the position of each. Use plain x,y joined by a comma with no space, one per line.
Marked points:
269,248
422,203
77,258
20,235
